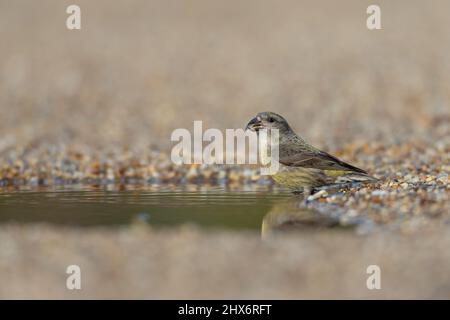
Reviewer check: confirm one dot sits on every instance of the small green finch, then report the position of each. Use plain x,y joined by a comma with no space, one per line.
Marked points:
302,166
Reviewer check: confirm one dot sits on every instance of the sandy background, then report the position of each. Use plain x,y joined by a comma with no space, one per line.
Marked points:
185,263
139,69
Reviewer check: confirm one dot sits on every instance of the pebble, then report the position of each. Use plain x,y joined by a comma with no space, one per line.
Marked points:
317,195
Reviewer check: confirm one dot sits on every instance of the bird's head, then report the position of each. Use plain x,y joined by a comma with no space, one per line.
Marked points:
269,121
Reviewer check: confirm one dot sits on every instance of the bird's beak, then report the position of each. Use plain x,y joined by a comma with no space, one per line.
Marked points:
255,124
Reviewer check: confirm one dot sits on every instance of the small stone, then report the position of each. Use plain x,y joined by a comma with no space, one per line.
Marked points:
443,177
317,195
380,193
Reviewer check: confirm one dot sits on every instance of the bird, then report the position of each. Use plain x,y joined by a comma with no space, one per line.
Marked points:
302,167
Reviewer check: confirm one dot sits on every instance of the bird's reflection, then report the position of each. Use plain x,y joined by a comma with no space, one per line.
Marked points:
293,216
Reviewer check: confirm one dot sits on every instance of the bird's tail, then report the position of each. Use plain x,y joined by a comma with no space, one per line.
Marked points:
355,177
348,180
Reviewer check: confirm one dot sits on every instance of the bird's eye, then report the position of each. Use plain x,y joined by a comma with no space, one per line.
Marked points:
271,120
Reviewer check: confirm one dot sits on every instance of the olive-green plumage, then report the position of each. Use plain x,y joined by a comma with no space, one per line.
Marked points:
302,165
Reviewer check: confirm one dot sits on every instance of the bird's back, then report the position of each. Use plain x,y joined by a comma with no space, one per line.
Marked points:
302,165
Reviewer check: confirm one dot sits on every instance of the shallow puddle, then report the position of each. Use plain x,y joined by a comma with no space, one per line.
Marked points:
264,210
162,206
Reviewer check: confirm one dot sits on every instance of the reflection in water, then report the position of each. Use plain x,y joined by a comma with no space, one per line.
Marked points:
293,215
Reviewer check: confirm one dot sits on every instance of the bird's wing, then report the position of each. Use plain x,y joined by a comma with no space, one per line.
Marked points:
316,159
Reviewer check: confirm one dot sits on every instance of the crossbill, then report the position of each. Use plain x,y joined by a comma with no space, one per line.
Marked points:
303,167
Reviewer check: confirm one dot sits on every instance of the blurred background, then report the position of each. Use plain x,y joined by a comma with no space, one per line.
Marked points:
139,69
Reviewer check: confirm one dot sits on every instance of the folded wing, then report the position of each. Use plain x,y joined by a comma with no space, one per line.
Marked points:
316,159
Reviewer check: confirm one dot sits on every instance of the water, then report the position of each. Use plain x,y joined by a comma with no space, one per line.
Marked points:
158,206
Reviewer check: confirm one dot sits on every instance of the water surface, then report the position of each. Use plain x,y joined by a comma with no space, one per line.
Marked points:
158,206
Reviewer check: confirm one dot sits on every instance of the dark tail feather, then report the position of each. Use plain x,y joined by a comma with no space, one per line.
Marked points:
356,177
